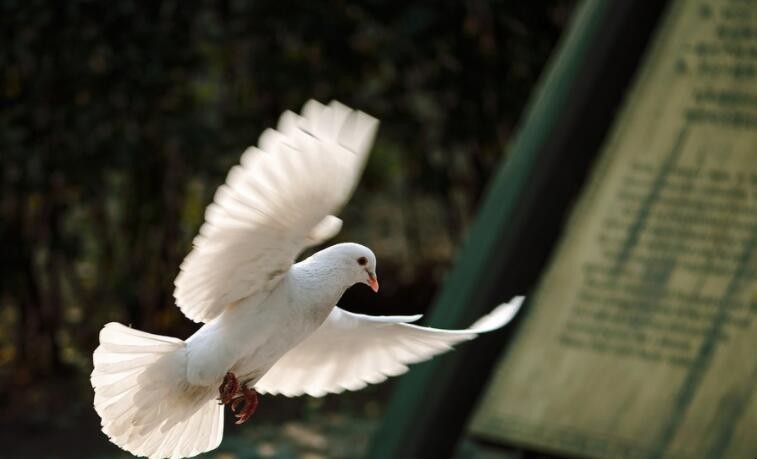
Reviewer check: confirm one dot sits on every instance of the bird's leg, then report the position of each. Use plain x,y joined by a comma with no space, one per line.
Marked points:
233,393
250,398
228,388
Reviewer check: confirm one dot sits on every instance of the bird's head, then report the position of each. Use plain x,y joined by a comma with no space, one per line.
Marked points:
357,262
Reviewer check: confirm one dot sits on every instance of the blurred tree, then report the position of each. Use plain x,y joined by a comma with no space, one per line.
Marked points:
119,119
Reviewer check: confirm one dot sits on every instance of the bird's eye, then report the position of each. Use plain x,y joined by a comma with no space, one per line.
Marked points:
362,261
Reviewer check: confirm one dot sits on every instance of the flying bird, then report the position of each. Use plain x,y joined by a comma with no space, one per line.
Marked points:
270,324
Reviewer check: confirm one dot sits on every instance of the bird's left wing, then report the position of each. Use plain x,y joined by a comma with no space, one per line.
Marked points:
278,201
350,351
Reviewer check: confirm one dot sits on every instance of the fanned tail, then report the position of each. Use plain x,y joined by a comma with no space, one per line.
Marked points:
144,401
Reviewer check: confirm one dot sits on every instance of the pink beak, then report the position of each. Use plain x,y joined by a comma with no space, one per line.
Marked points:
373,282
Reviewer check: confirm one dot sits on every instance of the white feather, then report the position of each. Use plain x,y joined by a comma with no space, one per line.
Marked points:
351,350
143,399
276,203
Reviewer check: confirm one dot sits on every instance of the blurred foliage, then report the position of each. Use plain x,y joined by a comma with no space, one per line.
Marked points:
119,119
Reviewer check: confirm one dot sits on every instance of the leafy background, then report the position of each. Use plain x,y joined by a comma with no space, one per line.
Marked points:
119,119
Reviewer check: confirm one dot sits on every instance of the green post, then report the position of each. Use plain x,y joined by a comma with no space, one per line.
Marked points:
414,424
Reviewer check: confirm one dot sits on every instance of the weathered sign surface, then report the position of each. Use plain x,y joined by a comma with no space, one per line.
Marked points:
641,339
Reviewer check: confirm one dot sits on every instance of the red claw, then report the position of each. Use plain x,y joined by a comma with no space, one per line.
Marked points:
250,405
232,393
228,388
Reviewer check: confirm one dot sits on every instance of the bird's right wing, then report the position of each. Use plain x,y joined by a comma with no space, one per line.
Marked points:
277,202
350,351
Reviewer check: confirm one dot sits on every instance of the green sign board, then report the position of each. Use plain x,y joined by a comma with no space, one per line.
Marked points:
641,339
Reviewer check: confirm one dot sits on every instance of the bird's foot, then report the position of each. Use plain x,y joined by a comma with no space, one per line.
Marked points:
250,398
233,393
228,388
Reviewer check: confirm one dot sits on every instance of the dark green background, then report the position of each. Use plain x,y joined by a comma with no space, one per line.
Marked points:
119,119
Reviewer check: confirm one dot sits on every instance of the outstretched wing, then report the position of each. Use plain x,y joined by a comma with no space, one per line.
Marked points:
278,201
350,351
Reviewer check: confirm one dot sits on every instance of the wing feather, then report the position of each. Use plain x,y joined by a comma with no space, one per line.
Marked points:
277,202
350,351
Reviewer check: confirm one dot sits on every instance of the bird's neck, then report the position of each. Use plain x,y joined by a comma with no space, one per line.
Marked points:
323,283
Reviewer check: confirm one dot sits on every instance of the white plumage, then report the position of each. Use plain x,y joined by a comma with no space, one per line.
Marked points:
276,203
143,399
269,321
349,351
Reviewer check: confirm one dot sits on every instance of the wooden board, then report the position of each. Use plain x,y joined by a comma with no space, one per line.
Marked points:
640,340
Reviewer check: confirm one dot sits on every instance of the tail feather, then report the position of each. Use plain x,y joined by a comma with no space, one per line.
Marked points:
142,396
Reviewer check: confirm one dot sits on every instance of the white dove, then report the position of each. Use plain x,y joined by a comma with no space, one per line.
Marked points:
271,325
